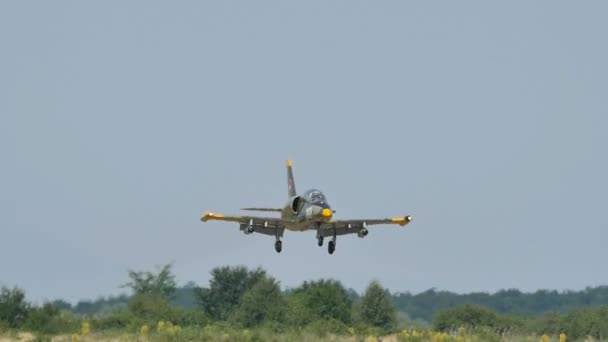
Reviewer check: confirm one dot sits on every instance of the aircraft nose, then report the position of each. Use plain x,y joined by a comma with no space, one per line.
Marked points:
326,213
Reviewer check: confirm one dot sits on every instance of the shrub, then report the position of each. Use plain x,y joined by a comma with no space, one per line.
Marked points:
13,307
49,320
376,308
319,300
327,326
117,321
263,302
473,316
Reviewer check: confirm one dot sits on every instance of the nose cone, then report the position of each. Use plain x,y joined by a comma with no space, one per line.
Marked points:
326,213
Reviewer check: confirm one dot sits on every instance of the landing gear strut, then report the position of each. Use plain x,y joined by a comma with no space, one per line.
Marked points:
331,246
278,245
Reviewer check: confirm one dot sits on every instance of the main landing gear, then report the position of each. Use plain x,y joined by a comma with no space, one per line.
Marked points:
331,246
278,245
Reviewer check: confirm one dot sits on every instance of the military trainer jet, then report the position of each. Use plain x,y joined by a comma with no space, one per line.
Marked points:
308,211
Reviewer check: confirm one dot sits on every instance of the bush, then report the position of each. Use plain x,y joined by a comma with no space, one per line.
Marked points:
226,289
319,300
263,302
118,320
13,308
587,322
327,326
376,308
190,318
473,316
48,320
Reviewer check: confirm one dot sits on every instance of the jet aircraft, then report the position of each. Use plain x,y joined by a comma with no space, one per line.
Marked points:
307,211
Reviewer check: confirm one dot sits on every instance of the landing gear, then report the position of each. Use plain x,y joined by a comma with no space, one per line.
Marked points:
278,246
320,241
331,246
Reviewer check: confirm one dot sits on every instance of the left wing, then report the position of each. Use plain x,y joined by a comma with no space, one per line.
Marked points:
344,227
250,224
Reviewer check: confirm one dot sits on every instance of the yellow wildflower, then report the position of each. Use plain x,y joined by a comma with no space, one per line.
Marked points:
440,337
544,338
144,329
75,338
562,337
161,326
86,328
372,339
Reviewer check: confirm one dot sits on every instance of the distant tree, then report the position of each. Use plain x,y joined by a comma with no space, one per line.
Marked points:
376,307
473,316
186,296
319,300
161,283
226,288
14,309
586,322
62,305
263,302
510,301
101,305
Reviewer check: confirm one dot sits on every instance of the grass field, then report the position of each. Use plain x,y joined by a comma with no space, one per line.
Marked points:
210,333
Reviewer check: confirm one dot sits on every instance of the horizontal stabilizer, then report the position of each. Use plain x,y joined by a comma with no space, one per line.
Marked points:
263,209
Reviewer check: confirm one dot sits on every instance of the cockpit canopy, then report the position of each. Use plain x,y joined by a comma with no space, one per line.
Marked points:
315,197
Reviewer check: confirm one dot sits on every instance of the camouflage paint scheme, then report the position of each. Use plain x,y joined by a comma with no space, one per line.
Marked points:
308,211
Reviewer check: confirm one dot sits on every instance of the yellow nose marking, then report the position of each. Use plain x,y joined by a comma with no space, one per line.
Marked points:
326,212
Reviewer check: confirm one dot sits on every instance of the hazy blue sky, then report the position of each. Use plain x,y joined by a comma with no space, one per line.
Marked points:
122,122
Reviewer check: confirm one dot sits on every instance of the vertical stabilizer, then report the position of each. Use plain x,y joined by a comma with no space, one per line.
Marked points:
291,185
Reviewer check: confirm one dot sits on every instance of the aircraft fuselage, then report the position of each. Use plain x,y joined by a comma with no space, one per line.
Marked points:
306,211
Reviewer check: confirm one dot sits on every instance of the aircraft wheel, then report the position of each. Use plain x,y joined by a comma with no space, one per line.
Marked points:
278,246
320,241
331,247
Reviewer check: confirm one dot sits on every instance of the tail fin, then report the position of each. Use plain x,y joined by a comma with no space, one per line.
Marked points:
291,185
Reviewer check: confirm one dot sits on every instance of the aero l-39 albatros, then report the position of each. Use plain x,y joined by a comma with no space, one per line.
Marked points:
308,211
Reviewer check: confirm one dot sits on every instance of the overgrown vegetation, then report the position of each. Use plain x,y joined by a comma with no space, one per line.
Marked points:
250,305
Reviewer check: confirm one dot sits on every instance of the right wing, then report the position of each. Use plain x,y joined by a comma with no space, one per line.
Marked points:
263,225
276,210
344,227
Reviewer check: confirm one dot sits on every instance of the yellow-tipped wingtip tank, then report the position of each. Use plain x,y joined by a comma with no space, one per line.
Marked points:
402,221
211,216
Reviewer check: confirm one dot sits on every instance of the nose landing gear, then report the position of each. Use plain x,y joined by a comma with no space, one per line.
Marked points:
320,241
278,246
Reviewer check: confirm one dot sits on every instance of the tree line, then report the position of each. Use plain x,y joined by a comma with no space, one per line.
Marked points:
420,307
251,298
236,295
